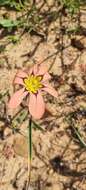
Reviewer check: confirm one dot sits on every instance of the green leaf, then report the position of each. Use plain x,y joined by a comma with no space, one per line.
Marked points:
14,39
4,2
17,5
8,23
71,5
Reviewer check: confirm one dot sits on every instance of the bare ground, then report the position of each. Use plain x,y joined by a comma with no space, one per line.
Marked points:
59,159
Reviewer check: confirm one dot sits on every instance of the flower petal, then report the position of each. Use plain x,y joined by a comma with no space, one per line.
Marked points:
36,105
18,80
50,90
46,77
22,74
42,69
17,98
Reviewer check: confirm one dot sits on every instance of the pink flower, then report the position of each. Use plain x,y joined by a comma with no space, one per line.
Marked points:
33,83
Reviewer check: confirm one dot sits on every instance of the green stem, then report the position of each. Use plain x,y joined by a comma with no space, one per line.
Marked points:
30,138
29,150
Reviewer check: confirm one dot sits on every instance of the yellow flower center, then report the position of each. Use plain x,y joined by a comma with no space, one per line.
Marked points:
33,83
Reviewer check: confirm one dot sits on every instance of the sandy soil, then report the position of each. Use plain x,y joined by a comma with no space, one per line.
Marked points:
59,159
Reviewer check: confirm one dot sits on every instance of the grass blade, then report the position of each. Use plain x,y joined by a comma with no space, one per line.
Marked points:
79,137
36,126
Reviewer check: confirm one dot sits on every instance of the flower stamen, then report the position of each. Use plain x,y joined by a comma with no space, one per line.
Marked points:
33,83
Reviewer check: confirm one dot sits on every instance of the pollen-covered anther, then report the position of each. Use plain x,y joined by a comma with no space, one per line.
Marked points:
33,83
